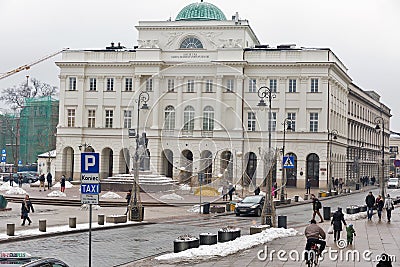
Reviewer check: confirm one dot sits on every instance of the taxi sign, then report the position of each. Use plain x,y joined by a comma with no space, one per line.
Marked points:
93,189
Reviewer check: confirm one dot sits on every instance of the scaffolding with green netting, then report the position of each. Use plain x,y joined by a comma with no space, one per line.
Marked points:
38,122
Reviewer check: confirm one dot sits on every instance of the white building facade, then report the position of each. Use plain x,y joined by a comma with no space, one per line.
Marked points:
202,74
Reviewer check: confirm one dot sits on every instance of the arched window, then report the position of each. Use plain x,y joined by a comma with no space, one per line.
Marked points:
188,118
191,43
208,119
169,123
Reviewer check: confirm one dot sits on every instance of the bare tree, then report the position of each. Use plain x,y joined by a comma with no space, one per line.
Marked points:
15,96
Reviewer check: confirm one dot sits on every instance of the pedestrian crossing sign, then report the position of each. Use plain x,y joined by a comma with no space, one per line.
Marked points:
288,162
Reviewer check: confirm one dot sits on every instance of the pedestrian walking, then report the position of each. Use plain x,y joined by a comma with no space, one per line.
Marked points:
337,220
128,200
316,207
257,191
11,180
308,186
336,184
379,206
370,201
389,206
62,183
25,209
20,180
341,184
49,178
41,180
231,190
351,233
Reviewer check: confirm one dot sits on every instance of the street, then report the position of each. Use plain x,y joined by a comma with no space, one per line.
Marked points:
118,246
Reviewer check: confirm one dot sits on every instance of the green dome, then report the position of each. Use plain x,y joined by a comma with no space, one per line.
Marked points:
200,11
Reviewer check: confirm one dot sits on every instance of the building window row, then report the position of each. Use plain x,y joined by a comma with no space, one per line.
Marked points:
292,85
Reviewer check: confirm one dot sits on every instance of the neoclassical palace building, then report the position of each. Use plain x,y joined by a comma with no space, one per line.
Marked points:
203,74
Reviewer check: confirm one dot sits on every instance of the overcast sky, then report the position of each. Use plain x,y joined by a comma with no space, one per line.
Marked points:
364,34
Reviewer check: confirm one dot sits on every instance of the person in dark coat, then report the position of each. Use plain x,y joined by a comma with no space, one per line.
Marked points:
11,180
316,207
370,201
379,206
42,179
62,183
128,200
26,207
385,261
231,190
257,191
337,219
49,178
308,186
20,180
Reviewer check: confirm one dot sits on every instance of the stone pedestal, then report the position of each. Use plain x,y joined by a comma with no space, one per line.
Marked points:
10,229
100,219
72,222
42,225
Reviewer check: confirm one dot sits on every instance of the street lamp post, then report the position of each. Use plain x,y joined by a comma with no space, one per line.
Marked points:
332,135
135,210
379,120
287,122
268,213
359,160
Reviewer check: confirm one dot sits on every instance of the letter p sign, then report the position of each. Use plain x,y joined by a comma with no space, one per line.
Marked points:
90,162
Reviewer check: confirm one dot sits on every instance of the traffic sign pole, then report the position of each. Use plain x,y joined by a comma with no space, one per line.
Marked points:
90,235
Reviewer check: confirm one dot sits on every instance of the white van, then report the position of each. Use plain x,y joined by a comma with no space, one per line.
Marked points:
394,183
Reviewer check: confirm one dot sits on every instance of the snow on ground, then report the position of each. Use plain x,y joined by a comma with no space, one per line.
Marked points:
6,186
67,185
57,194
227,248
86,207
15,191
355,217
184,187
110,195
235,197
195,209
172,196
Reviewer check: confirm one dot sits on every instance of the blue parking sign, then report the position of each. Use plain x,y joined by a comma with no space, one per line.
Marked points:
90,162
3,159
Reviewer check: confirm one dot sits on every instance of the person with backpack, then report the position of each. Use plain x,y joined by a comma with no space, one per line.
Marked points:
316,207
41,180
389,206
370,201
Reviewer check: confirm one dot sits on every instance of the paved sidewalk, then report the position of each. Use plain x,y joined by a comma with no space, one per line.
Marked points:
373,238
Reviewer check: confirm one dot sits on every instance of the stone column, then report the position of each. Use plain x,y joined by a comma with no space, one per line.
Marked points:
156,107
198,87
239,101
218,105
179,106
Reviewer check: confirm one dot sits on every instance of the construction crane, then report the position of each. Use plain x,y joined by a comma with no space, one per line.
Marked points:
28,66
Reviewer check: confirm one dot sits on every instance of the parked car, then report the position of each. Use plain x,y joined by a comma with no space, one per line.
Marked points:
393,183
22,259
29,177
250,205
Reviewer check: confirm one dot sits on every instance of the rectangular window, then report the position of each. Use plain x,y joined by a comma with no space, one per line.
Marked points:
273,85
190,86
314,85
292,86
272,122
128,119
110,84
92,84
313,122
72,83
252,85
128,84
209,86
109,118
149,85
230,85
71,117
91,118
171,85
251,121
292,121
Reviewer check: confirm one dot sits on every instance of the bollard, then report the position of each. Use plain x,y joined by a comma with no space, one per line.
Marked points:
296,198
10,229
42,225
72,222
282,221
208,239
327,213
100,219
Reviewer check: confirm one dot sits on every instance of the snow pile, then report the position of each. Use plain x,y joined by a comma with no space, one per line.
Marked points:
86,207
16,191
6,186
195,209
235,197
172,196
355,217
57,194
110,195
228,248
67,185
184,187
